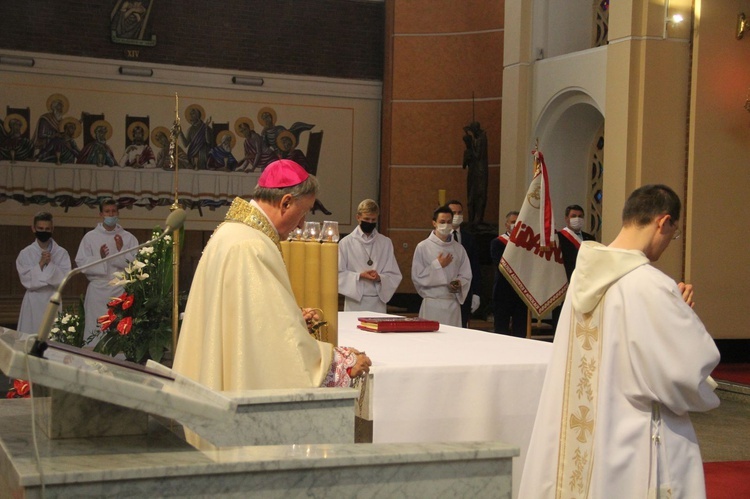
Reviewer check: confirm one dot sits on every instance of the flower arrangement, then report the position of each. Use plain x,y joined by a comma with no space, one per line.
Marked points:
138,323
69,327
21,390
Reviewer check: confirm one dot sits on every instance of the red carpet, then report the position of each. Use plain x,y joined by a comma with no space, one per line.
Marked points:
725,480
736,373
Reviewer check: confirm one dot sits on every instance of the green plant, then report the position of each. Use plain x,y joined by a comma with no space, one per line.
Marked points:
139,322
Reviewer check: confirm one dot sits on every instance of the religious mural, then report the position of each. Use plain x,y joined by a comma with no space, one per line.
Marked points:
130,23
202,143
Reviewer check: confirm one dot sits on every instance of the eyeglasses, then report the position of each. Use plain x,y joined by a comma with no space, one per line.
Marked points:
677,234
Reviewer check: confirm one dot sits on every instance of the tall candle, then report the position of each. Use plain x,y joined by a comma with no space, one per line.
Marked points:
297,270
312,274
329,289
441,197
286,253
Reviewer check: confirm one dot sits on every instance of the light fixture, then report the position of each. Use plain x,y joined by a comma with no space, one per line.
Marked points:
674,19
135,71
742,26
13,60
252,81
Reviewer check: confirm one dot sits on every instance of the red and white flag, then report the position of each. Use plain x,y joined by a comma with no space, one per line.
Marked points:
532,261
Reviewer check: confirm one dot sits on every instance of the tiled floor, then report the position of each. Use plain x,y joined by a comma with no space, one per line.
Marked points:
724,433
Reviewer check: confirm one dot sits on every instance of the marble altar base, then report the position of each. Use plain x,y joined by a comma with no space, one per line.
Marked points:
160,464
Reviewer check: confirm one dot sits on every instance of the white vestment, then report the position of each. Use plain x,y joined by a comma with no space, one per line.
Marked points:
99,291
355,250
431,280
243,329
40,283
626,346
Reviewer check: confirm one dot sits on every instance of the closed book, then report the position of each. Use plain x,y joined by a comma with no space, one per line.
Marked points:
397,324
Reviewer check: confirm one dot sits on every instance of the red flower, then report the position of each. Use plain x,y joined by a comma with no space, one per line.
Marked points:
118,300
11,394
125,325
21,387
127,302
106,320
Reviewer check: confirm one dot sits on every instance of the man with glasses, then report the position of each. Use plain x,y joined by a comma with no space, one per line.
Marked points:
630,360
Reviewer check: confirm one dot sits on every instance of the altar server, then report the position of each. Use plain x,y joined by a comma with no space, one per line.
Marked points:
368,272
42,266
243,329
630,359
441,272
107,238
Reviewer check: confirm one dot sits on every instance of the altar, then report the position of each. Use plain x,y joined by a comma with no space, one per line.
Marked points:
453,385
99,427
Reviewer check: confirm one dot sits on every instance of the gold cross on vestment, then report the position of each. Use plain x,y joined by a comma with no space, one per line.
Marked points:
582,422
586,331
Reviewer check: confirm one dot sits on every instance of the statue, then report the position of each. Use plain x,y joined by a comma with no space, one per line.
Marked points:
475,161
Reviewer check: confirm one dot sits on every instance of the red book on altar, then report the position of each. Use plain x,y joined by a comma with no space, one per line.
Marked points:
397,324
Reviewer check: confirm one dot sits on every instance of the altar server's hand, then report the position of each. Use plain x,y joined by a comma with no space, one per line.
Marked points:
687,293
475,302
444,259
370,275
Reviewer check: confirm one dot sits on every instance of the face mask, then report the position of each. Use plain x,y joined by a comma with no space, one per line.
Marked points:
43,236
111,221
576,223
458,220
512,226
444,229
367,227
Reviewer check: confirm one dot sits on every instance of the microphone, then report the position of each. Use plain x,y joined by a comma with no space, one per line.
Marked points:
174,222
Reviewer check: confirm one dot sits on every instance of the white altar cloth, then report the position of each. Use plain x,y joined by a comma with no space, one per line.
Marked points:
453,385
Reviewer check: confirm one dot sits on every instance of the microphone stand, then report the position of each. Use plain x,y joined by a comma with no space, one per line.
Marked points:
174,222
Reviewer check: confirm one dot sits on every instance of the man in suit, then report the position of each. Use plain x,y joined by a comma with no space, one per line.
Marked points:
472,302
571,237
508,308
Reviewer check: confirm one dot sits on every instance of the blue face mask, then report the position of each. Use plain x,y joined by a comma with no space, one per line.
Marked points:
111,221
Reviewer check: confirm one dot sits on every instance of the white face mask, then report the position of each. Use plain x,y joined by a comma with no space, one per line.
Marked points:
444,229
576,223
512,226
458,220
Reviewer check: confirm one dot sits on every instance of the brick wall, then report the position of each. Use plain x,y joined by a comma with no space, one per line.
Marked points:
328,38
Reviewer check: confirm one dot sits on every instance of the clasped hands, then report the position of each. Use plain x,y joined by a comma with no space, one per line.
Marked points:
687,293
370,275
362,366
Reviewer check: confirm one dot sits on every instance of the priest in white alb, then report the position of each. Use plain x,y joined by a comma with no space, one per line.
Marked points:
630,360
368,271
441,272
242,328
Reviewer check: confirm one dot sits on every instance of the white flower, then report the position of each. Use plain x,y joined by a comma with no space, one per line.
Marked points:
145,260
138,264
55,330
65,319
120,282
167,238
71,329
142,277
147,250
